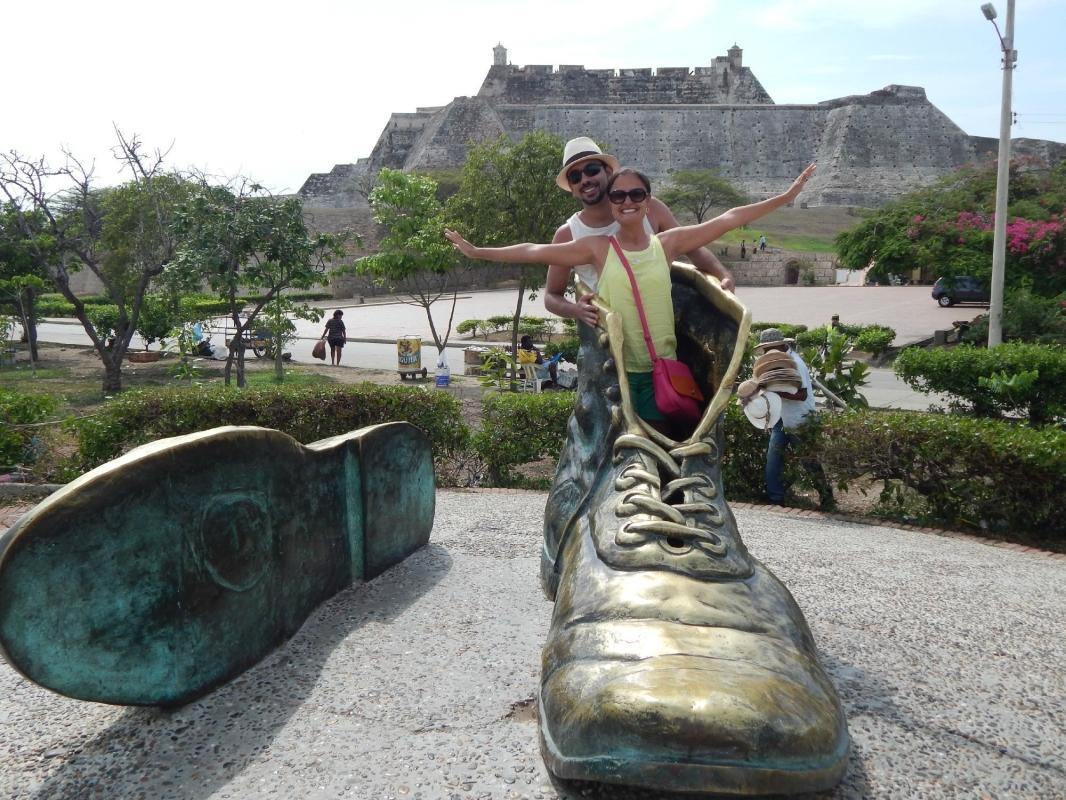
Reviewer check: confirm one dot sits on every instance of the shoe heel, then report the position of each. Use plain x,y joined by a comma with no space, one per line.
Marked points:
164,573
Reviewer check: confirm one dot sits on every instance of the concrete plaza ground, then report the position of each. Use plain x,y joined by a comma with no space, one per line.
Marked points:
947,653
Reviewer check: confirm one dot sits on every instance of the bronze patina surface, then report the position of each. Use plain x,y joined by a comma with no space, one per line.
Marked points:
675,660
157,576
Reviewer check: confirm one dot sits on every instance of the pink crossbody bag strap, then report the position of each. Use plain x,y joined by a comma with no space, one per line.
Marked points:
636,297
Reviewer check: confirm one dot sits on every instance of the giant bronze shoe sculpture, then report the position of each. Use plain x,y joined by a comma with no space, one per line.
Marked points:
158,576
675,660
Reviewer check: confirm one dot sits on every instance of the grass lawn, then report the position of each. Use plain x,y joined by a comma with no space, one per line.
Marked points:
74,375
809,230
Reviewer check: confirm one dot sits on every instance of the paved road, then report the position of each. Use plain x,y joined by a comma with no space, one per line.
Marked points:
947,654
908,309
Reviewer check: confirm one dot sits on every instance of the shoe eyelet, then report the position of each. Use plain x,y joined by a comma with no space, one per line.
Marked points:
674,546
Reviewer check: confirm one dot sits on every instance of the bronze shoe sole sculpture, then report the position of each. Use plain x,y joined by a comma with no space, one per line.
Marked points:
164,573
675,661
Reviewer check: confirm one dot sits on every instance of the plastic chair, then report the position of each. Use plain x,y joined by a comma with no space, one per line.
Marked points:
531,379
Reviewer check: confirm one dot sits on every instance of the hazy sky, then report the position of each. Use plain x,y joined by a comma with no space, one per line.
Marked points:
278,90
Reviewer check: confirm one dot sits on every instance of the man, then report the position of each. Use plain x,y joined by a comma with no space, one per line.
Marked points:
796,408
584,174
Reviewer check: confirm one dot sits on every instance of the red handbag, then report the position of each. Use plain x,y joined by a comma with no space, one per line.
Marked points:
677,395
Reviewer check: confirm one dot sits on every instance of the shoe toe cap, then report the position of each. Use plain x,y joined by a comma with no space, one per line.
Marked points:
694,710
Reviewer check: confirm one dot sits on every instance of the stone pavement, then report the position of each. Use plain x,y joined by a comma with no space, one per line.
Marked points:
947,653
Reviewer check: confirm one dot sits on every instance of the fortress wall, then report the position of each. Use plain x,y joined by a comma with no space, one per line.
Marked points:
869,148
538,84
401,133
338,188
447,136
872,153
781,268
757,147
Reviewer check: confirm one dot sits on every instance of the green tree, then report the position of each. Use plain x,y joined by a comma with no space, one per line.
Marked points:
240,237
122,234
413,258
699,190
24,274
507,195
946,229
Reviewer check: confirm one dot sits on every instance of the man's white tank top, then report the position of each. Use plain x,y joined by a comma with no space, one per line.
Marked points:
579,230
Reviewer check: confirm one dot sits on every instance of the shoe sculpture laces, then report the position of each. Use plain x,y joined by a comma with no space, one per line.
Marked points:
675,660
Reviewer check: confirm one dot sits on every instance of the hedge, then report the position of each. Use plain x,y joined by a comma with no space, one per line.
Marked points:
996,476
958,371
988,475
519,429
305,413
16,410
193,306
1000,477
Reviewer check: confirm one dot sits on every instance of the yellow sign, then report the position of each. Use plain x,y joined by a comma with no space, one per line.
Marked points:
409,352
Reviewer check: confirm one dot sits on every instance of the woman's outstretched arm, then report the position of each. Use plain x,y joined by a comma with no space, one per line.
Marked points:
677,241
567,254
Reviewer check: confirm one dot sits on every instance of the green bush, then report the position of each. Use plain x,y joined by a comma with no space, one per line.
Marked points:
568,347
470,326
500,321
788,330
990,475
306,413
1027,317
874,339
20,409
958,371
104,319
519,429
193,306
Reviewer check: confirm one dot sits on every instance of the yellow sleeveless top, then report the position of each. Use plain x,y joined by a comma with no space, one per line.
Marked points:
653,280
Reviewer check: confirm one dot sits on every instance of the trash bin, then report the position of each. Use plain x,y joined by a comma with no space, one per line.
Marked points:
409,353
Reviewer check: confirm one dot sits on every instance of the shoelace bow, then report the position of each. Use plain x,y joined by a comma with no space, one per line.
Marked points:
671,522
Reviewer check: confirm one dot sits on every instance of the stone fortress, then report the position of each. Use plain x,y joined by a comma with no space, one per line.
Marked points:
869,148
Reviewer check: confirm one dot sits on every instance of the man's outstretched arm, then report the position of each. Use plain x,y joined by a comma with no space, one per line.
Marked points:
555,289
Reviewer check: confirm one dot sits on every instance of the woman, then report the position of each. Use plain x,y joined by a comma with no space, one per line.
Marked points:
529,354
336,336
649,257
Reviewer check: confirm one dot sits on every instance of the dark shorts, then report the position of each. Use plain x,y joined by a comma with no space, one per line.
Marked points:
335,342
642,392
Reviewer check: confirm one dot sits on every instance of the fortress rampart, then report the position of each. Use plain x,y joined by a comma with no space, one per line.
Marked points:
869,148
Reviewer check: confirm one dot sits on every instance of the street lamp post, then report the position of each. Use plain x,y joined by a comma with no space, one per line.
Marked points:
999,238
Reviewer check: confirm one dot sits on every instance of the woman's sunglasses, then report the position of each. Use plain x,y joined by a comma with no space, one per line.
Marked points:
636,195
590,169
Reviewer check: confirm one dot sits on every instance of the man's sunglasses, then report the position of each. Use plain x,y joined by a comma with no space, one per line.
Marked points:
591,169
636,195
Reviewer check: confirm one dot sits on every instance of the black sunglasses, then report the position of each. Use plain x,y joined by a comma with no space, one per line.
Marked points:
590,169
619,196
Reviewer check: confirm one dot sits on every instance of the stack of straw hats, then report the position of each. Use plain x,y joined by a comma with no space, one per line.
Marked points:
774,372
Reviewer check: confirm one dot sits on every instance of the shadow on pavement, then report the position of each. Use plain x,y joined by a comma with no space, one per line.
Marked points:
191,752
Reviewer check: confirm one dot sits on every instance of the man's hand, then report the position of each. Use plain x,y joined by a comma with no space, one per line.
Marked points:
586,311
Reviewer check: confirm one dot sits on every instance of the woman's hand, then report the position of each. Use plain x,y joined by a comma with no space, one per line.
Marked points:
461,244
799,183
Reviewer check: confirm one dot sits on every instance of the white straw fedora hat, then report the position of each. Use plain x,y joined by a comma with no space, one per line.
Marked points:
576,152
763,410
